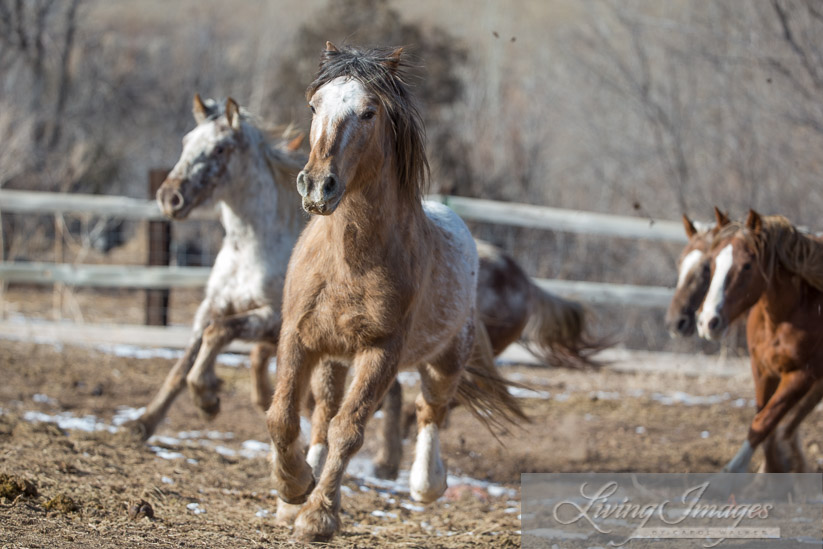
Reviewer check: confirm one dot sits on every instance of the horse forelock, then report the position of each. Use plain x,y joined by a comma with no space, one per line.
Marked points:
780,242
384,76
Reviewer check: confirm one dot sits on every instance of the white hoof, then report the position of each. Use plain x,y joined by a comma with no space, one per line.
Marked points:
427,480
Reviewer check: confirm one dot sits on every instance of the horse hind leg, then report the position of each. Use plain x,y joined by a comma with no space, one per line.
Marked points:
439,380
261,389
328,383
387,461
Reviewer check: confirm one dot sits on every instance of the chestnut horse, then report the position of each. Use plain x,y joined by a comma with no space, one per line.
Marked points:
768,265
692,274
378,280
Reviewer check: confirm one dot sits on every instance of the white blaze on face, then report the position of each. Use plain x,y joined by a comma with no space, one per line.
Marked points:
689,262
714,298
334,102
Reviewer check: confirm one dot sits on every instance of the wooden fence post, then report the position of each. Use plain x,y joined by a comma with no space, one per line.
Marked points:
157,301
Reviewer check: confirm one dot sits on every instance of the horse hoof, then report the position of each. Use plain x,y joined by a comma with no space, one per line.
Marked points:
138,429
286,513
315,524
209,406
386,471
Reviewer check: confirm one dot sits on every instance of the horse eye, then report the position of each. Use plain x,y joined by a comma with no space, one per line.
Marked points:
219,149
747,266
312,109
368,115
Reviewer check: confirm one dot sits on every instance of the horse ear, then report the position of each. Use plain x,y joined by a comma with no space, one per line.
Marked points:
199,109
331,48
754,222
722,218
295,143
689,226
233,113
393,61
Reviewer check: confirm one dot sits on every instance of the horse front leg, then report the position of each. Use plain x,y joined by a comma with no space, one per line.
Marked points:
387,461
793,387
258,324
783,448
374,370
328,383
156,410
291,474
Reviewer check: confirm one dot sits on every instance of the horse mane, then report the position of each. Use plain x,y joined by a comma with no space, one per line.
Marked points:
383,75
272,142
779,241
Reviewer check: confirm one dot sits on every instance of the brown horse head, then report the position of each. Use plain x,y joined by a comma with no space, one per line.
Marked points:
738,276
207,154
693,275
363,117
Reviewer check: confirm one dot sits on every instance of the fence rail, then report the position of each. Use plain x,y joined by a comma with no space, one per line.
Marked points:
475,209
148,278
522,215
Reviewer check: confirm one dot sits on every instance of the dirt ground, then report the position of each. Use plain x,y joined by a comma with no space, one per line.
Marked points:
207,483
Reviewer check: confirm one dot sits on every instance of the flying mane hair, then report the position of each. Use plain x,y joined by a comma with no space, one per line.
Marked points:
382,72
782,242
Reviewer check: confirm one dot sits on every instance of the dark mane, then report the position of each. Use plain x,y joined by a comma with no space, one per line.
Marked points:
383,75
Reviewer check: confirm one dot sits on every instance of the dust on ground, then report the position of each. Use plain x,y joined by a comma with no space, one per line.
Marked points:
197,484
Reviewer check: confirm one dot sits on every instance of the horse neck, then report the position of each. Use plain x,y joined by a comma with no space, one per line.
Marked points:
253,210
784,293
380,213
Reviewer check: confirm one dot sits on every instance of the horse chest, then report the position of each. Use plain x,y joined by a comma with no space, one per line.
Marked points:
346,315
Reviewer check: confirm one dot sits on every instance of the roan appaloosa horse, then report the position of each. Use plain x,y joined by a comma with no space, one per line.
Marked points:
379,280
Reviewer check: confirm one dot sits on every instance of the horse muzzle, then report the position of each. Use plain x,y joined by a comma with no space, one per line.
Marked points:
683,325
321,195
711,325
171,201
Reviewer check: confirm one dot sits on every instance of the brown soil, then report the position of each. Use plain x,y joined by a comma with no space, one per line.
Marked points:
71,488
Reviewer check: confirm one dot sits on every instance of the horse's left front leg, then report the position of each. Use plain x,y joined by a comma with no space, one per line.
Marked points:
258,324
792,388
374,370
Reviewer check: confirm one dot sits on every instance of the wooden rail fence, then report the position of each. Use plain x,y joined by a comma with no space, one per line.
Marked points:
156,277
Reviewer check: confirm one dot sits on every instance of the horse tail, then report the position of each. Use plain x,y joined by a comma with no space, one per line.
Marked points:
556,332
483,391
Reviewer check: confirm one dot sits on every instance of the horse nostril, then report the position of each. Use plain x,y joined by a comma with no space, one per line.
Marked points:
176,201
682,324
329,184
713,323
303,182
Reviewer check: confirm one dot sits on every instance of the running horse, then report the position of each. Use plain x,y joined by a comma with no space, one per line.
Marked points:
229,158
379,280
770,266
